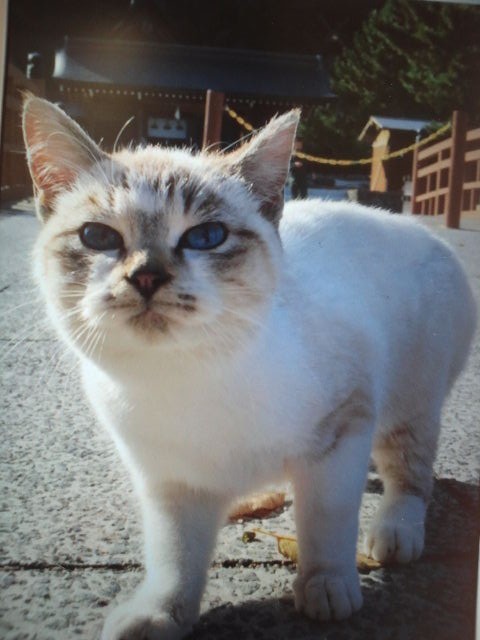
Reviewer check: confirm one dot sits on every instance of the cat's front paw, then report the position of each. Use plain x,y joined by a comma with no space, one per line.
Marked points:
397,532
395,542
136,620
324,596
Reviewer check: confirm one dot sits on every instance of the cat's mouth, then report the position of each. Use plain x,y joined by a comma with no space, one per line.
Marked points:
149,320
156,316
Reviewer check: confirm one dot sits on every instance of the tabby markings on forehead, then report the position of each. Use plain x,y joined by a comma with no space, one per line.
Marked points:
190,191
150,225
196,201
209,205
124,180
93,201
170,185
111,197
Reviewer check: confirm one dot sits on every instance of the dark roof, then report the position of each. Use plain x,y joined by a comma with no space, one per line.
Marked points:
188,68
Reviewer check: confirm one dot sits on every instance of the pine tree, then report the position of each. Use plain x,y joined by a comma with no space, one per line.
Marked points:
409,59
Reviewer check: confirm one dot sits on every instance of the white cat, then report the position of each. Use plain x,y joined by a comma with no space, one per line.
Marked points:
225,346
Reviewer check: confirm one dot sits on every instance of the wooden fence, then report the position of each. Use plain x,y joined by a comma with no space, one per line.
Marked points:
446,175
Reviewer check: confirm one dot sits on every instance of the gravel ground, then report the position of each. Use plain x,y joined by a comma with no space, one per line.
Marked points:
70,541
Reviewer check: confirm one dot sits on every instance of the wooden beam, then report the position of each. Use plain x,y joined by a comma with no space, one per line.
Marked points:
457,165
416,206
212,127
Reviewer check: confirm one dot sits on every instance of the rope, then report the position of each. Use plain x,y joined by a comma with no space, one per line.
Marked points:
345,163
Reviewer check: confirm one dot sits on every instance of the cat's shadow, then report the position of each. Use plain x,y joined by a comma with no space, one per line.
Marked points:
269,618
434,597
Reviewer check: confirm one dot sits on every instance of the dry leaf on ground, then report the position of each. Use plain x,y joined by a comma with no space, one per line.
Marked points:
288,547
258,505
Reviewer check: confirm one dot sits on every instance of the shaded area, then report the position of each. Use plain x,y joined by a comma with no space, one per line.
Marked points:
433,598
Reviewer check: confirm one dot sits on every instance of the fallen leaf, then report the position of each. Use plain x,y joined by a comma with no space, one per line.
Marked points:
288,547
248,536
258,505
366,564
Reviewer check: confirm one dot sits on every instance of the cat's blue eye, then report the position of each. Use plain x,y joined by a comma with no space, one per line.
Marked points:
100,237
204,236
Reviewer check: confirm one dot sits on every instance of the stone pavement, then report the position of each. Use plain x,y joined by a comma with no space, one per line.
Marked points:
70,541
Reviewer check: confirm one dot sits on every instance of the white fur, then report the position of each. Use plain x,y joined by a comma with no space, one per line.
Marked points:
350,333
366,301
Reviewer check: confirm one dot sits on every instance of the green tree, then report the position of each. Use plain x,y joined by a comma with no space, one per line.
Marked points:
409,59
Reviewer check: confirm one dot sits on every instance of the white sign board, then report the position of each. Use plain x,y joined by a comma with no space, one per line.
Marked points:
169,128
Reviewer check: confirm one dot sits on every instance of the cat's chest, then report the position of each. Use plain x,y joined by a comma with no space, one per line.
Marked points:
209,423
233,405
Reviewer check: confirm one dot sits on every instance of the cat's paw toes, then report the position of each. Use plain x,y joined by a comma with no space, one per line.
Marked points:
132,622
397,533
395,541
328,597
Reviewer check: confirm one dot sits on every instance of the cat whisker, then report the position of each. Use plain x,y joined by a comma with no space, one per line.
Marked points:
74,314
87,343
249,318
79,333
25,336
87,334
120,133
94,343
111,162
59,354
74,287
26,303
217,340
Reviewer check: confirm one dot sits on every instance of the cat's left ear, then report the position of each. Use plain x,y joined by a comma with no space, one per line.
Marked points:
58,150
264,162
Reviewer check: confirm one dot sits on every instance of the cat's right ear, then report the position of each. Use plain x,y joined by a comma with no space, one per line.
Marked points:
58,150
263,162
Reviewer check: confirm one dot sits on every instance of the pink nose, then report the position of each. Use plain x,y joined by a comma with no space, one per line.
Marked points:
146,281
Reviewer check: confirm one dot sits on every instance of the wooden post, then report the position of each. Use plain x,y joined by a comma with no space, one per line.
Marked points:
212,127
457,163
416,207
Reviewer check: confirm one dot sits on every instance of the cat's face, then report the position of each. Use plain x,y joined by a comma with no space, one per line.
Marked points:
154,246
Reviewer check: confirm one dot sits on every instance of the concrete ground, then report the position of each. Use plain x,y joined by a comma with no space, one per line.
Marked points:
70,539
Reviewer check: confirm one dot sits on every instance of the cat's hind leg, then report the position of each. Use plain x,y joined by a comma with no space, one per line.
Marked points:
404,458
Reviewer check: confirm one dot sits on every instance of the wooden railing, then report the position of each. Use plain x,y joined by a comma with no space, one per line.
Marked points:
471,184
446,175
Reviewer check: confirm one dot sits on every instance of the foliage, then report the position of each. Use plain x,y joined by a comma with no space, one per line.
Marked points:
409,59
